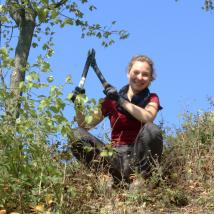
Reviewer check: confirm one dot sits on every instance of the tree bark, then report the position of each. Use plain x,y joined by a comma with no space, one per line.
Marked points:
26,22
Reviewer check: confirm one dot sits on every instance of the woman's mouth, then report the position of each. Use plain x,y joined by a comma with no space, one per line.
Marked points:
138,84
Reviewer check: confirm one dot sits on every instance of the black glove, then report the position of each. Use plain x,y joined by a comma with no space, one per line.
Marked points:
112,93
79,90
76,92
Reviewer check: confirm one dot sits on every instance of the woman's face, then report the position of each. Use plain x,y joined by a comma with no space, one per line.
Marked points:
139,76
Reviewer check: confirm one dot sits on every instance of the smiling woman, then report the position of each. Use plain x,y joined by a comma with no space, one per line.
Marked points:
136,140
140,74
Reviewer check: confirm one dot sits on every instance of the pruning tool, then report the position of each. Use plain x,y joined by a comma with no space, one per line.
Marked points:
90,61
98,72
80,88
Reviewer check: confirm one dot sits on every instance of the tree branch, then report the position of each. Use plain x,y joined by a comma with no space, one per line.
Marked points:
2,79
59,4
17,13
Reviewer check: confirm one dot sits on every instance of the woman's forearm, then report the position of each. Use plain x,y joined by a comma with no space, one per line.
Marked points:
83,123
144,115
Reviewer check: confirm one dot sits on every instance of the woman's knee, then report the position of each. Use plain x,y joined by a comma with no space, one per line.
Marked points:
153,130
150,138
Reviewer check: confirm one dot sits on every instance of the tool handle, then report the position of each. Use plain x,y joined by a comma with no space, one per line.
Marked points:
77,91
90,56
99,74
79,88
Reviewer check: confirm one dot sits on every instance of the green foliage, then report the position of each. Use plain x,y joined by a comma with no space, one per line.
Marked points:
34,19
191,145
35,173
5,59
87,107
208,5
31,167
62,13
184,177
108,151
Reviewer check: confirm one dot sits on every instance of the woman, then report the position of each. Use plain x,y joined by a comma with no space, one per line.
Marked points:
136,140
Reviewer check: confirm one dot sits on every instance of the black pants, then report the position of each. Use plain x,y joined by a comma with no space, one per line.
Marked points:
138,157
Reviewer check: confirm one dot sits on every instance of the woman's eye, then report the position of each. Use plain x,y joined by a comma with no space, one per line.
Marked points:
141,73
145,75
136,72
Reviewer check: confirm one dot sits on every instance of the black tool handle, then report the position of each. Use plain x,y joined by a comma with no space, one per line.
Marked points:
98,73
91,54
79,89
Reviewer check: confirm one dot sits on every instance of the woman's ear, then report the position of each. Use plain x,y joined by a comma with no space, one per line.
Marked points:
128,75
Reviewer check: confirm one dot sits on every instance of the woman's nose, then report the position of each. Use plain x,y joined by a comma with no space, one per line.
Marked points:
139,76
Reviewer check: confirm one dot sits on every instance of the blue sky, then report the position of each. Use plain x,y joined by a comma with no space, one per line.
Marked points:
178,36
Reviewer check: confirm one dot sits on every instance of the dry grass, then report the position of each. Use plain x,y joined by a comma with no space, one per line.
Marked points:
186,179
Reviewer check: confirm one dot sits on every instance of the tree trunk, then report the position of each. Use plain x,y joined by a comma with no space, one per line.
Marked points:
26,22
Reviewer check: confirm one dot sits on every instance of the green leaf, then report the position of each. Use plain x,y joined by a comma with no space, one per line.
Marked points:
44,103
30,85
1,8
45,67
34,45
50,79
21,85
3,51
54,109
68,21
34,75
84,1
92,7
88,119
50,53
104,153
4,19
68,79
60,104
52,90
69,96
45,2
99,35
29,78
59,118
54,14
42,14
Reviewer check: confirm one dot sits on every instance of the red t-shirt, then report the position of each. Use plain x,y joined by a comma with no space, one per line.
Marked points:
124,128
